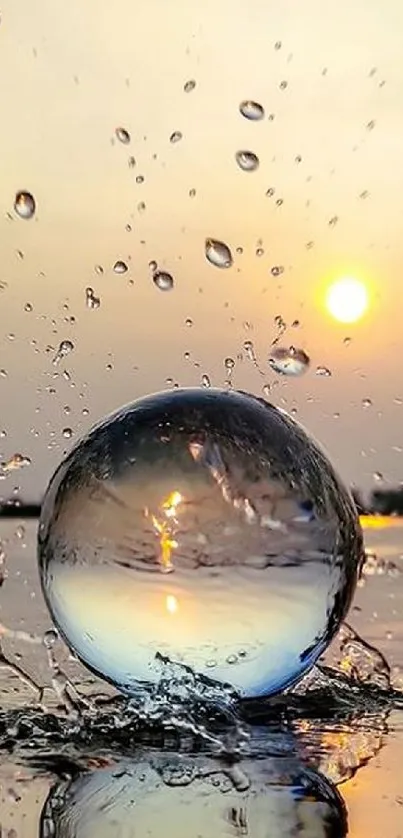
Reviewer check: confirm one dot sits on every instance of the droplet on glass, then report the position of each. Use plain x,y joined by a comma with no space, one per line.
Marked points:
205,381
25,205
248,161
325,372
163,280
140,179
67,433
175,137
189,322
28,307
251,110
277,270
185,464
270,192
289,361
131,162
120,267
366,403
99,270
189,86
229,364
192,193
371,125
283,84
333,220
218,253
277,45
122,135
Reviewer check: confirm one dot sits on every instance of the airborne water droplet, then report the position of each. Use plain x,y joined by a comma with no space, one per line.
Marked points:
122,135
163,280
65,347
92,301
289,361
248,161
218,253
251,110
120,267
24,205
175,137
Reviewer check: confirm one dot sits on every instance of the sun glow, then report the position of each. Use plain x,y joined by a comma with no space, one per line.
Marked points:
347,300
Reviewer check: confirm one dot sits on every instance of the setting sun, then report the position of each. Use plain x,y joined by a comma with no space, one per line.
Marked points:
347,300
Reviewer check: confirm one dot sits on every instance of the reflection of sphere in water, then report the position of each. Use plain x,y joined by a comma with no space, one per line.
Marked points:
276,797
203,526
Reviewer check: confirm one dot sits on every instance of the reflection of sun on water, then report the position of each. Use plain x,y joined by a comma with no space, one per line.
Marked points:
347,300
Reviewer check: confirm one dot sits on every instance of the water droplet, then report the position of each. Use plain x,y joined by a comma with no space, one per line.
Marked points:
28,307
251,110
289,361
192,193
99,270
229,364
283,84
122,135
259,251
346,341
65,347
140,179
333,220
248,161
14,463
175,137
189,86
120,267
371,125
67,433
205,381
25,205
218,253
131,162
197,464
364,194
277,45
270,192
92,301
277,270
298,158
323,371
366,403
163,280
189,322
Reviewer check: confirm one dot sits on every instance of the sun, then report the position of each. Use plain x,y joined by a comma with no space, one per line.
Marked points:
347,300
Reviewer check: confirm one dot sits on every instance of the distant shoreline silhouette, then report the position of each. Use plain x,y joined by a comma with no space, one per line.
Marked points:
385,502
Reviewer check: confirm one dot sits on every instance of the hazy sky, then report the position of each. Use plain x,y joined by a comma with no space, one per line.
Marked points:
70,73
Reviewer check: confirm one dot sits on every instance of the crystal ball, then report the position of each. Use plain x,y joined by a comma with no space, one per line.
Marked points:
203,527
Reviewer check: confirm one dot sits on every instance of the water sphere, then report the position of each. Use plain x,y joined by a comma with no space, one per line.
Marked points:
201,526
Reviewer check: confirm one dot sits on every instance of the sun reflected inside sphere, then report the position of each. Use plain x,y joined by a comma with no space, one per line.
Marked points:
347,300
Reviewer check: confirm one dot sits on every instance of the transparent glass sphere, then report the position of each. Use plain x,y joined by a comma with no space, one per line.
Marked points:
202,526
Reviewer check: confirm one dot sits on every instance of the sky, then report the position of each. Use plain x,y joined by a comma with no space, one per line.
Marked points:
326,201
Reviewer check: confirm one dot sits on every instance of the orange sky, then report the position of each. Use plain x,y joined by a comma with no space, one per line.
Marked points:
69,75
